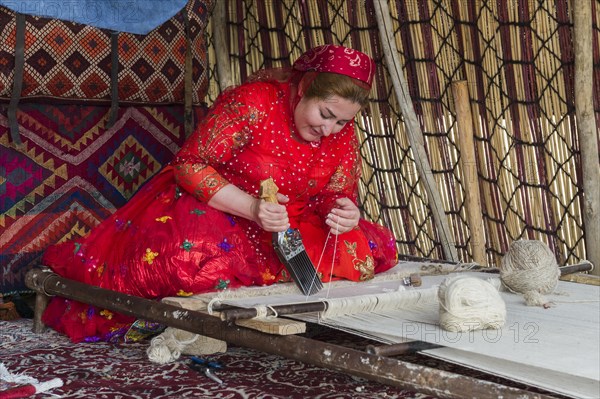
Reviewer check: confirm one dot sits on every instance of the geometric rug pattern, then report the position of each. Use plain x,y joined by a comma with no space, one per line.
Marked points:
71,172
69,60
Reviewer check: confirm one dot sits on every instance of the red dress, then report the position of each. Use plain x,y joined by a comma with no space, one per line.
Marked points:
167,241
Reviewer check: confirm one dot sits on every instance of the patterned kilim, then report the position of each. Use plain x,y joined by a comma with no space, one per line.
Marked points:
69,60
72,172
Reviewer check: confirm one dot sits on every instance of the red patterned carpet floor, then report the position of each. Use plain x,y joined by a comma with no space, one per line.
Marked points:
122,371
103,370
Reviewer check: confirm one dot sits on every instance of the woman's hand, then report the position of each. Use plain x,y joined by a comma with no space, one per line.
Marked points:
270,216
344,217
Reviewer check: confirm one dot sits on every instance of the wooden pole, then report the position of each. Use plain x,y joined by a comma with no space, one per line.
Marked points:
415,135
219,28
468,164
586,126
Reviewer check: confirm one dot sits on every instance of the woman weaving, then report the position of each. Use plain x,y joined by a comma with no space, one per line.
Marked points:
200,226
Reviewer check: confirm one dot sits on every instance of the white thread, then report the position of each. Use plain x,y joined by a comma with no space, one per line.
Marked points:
323,251
290,288
16,378
262,312
40,387
469,303
48,385
380,302
530,268
320,259
166,348
211,303
275,314
333,258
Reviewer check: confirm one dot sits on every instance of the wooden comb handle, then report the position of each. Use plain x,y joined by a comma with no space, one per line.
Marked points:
268,190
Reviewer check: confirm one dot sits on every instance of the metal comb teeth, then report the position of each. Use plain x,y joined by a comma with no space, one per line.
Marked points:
293,255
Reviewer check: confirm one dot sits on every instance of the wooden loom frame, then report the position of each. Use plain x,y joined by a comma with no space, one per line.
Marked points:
369,364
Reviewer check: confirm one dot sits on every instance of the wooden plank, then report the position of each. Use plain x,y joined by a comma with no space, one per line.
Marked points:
275,326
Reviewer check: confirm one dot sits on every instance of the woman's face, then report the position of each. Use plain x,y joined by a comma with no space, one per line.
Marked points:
316,118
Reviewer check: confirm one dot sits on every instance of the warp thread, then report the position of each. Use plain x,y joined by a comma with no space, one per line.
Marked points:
375,303
172,343
210,300
529,267
469,303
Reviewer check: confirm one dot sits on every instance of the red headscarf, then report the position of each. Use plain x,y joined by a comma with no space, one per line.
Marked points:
327,58
338,59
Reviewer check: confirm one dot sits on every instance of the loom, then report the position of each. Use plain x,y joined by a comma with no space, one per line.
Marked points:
417,331
375,363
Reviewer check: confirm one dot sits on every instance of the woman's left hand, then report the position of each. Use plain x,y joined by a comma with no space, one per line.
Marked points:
344,217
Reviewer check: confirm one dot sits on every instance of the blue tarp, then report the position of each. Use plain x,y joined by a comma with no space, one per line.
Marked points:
133,16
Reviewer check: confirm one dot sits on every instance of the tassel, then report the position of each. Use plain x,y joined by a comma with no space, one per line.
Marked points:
27,386
8,311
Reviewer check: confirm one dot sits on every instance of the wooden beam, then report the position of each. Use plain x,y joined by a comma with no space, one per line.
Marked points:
586,127
415,135
468,165
219,29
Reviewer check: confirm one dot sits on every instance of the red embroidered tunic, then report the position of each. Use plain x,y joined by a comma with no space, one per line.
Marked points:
167,241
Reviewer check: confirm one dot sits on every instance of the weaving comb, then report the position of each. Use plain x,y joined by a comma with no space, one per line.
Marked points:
290,250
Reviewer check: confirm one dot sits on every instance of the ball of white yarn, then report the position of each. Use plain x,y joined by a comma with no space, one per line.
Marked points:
469,303
165,348
529,267
173,342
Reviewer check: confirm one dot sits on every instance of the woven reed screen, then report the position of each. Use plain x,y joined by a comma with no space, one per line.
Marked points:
517,58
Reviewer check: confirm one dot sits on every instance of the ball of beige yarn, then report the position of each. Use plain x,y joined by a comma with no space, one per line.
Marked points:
529,267
470,303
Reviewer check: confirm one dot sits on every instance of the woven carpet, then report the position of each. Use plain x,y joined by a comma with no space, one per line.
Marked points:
111,371
66,60
73,172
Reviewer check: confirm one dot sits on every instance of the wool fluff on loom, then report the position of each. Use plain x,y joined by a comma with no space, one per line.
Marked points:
469,303
529,267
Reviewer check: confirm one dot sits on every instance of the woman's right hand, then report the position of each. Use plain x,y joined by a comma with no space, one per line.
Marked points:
270,216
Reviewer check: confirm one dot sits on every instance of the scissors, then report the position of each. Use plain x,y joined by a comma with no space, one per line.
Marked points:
206,367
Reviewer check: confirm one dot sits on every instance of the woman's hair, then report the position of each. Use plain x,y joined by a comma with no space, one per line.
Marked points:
325,84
